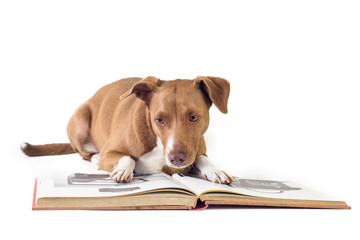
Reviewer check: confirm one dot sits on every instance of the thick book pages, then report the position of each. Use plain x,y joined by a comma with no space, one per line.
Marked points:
84,191
259,192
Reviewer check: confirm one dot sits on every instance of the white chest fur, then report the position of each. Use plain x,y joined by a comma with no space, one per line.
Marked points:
151,162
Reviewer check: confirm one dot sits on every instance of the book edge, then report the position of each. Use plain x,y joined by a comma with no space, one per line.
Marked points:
116,208
281,204
34,195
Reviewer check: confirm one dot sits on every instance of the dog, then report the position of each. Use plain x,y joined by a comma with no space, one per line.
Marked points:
145,125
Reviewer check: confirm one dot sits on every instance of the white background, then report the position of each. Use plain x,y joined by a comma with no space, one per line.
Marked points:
293,109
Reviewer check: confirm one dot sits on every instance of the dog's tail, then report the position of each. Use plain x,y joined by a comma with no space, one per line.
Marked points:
46,149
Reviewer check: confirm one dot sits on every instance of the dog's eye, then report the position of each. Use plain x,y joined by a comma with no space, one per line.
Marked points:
193,118
160,122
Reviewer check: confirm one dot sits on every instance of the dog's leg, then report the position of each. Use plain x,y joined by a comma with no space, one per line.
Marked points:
120,166
210,172
78,130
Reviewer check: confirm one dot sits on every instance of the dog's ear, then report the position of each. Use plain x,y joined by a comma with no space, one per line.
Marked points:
143,89
216,89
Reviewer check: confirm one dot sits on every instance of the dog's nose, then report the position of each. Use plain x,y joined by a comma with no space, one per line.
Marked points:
177,158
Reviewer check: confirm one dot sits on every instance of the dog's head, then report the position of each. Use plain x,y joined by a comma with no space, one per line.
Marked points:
179,113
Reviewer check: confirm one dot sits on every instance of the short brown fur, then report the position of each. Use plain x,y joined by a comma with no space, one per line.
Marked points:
120,120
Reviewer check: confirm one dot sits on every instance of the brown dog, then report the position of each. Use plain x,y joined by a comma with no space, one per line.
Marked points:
146,125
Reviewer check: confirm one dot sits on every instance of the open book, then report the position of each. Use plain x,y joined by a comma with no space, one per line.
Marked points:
64,190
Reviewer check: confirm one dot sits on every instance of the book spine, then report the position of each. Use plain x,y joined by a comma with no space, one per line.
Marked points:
34,195
200,205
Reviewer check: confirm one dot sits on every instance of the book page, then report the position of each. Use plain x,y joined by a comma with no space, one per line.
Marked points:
252,187
69,184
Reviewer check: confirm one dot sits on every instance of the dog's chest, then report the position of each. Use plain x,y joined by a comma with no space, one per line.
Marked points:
151,162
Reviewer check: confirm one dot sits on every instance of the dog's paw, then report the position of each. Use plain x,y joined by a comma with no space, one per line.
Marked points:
95,158
123,171
210,172
122,175
218,176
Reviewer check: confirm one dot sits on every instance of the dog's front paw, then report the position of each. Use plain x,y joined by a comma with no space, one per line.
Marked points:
122,175
210,172
123,171
218,176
